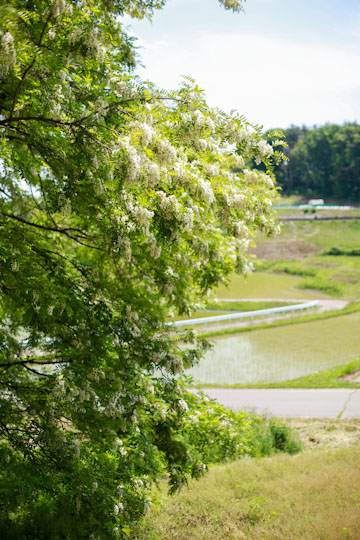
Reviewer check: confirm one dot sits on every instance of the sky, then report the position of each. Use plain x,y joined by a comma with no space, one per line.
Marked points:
281,62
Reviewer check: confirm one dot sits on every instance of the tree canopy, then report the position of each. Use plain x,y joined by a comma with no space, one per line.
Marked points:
119,207
323,162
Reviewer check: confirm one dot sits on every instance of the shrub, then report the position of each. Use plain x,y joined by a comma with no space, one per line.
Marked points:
218,434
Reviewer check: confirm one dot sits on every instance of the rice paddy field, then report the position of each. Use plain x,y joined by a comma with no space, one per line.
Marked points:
279,354
296,265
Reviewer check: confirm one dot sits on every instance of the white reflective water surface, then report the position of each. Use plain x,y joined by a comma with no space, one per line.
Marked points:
279,354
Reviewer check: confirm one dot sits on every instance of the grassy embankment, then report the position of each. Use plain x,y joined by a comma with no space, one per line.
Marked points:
314,495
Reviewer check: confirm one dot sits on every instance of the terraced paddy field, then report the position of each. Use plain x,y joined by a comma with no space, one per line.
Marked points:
267,285
308,260
279,354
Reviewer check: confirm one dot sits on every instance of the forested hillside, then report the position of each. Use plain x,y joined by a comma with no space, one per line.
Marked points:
323,162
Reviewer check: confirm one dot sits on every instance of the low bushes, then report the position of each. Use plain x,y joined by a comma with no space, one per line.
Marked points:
218,434
347,252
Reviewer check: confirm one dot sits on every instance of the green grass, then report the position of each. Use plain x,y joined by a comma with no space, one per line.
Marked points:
292,268
323,285
334,276
245,306
320,212
199,314
266,285
324,234
327,378
314,495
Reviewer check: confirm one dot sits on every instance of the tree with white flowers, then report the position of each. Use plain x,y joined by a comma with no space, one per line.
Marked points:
119,207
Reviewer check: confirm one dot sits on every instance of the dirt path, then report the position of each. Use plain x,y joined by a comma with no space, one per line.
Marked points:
324,305
290,402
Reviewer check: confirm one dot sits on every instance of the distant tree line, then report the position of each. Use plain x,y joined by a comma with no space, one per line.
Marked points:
323,162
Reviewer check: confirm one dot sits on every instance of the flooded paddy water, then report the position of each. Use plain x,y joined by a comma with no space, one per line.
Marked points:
278,354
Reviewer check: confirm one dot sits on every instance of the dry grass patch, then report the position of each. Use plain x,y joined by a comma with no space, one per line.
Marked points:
326,433
284,249
312,496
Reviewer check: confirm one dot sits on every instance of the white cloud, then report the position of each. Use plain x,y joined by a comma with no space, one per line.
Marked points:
272,81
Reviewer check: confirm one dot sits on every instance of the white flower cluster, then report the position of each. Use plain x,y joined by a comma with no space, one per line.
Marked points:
175,365
97,374
75,35
7,53
119,446
85,393
263,150
52,33
185,119
198,120
212,169
114,408
145,132
241,230
134,166
95,48
254,176
238,161
235,199
188,219
118,508
201,144
152,173
15,266
155,249
206,191
169,206
123,89
143,217
182,406
165,151
235,134
58,7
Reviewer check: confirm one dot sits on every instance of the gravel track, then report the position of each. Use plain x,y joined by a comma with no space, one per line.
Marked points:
323,306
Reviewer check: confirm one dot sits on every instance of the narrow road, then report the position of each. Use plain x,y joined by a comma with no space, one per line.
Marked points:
324,305
291,403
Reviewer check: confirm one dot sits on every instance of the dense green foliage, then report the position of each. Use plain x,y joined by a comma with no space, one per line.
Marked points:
118,207
323,162
217,434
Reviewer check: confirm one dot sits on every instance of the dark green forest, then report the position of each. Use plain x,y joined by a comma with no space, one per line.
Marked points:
323,162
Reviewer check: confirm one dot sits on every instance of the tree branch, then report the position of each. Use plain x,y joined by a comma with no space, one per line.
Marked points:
30,360
77,122
64,231
38,372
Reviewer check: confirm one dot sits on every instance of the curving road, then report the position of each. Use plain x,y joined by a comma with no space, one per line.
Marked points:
324,305
291,403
